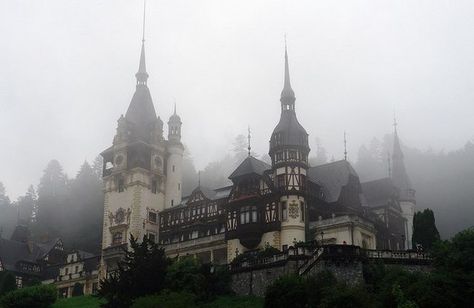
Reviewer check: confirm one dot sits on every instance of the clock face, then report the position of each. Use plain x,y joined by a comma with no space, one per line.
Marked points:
118,160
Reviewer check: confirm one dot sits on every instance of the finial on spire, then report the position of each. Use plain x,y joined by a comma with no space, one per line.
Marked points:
345,146
142,75
287,94
144,15
248,137
199,178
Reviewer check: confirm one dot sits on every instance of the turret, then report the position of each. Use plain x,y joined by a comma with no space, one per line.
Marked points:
174,127
289,151
402,182
175,150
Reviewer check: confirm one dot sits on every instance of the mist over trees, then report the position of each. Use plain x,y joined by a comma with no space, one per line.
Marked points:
72,208
443,181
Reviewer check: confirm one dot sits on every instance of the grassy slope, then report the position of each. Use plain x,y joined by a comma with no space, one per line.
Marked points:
77,302
221,302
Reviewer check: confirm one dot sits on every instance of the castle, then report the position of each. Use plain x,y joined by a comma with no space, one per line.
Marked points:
277,205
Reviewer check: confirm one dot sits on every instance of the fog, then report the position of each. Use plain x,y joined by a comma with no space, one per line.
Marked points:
67,74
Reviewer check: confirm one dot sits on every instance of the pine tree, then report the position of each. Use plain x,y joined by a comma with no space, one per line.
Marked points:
425,232
52,202
142,272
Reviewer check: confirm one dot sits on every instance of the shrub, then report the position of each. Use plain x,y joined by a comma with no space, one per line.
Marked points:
286,291
166,299
7,282
40,296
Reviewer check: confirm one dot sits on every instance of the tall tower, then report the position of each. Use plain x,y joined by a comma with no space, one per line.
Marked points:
133,174
289,151
402,182
174,161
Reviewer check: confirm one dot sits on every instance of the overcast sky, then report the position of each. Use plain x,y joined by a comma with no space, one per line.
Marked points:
67,74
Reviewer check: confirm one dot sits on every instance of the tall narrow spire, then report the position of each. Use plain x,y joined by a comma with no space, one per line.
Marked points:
249,148
142,75
399,174
287,94
345,146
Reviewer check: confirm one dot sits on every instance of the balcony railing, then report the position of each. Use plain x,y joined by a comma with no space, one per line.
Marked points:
194,242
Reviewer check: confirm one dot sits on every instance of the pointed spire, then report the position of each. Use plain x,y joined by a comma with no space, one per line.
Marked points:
398,172
174,113
248,137
287,94
345,146
142,75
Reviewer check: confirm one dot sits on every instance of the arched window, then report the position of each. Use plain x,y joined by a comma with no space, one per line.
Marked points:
117,238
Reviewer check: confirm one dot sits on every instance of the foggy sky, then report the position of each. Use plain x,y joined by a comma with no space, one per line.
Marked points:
67,74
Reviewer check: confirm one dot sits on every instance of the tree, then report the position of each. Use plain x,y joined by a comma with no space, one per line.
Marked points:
321,155
7,282
286,291
424,229
97,166
27,206
142,272
52,201
86,207
4,200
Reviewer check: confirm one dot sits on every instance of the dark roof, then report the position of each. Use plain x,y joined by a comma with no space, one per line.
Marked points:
332,177
11,252
250,165
141,113
399,174
290,130
379,192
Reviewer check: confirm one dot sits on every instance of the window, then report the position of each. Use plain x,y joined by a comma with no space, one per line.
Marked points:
121,185
76,269
95,288
172,202
179,186
154,186
152,217
284,211
248,214
152,237
279,156
117,238
281,180
173,168
66,271
19,282
292,155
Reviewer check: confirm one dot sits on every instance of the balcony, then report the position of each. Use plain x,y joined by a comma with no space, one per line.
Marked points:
198,241
115,251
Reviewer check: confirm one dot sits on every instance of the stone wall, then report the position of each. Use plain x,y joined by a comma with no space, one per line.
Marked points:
349,272
256,281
